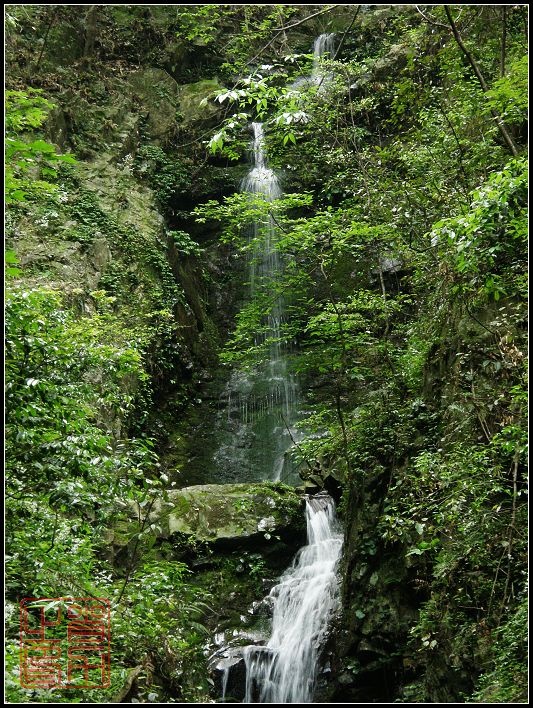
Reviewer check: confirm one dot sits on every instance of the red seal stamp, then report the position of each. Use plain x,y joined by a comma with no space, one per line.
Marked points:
65,642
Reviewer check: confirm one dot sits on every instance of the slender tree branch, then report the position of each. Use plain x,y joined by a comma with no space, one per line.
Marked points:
461,151
346,31
134,553
288,27
306,460
429,20
344,359
384,293
504,41
477,71
52,543
45,40
305,19
90,30
510,537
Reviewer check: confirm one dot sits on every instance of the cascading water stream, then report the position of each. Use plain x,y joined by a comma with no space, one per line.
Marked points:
266,269
284,670
324,46
261,405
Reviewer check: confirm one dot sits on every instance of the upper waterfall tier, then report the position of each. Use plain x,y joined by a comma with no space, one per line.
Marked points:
323,47
261,403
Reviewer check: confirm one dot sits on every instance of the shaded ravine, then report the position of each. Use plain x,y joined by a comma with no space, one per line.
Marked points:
252,425
261,406
284,667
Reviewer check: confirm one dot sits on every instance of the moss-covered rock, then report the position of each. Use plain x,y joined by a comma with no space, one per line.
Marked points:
396,58
229,513
194,101
159,92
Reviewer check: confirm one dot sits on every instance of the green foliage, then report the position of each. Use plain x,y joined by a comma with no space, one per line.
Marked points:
68,474
403,241
404,282
173,636
264,98
29,163
509,93
11,262
64,387
506,681
240,30
201,24
184,243
168,176
26,110
488,244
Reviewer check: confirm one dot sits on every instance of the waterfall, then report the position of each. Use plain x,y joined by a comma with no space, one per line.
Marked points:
323,48
260,406
266,269
284,670
265,265
324,45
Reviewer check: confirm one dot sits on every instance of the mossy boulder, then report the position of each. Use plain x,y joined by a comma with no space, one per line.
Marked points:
196,103
395,59
230,514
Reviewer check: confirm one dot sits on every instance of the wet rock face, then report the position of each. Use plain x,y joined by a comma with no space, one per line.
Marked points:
159,92
368,643
227,664
229,673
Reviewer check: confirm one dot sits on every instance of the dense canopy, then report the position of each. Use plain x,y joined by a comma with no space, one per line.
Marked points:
256,253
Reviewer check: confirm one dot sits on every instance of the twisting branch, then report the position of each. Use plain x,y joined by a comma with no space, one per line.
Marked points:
477,71
306,460
134,553
344,359
45,40
504,41
512,527
305,19
429,20
461,151
345,34
279,30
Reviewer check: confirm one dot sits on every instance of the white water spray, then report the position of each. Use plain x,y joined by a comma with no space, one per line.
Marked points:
285,669
323,47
